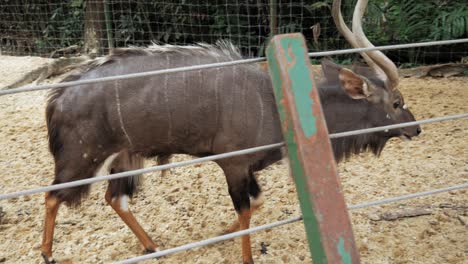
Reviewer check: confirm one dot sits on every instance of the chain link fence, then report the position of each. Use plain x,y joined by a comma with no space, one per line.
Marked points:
57,28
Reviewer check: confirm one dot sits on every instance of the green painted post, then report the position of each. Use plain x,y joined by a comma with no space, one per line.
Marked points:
326,219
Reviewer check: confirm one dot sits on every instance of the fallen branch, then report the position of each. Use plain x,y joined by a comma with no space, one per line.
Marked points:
74,49
56,67
462,220
454,207
400,213
439,70
403,213
414,211
2,214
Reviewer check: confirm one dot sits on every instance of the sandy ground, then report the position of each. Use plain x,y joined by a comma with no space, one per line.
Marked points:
193,204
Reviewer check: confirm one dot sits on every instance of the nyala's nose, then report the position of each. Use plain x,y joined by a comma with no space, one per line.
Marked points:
418,130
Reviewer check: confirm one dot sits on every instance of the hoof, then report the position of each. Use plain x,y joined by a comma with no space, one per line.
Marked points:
149,251
224,232
48,260
233,228
250,261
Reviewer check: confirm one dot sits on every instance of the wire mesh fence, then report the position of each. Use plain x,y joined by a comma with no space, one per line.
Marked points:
114,41
54,28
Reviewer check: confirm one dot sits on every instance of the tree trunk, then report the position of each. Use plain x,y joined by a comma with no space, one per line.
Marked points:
95,27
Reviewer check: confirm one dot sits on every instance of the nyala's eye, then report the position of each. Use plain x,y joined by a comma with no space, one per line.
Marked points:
396,104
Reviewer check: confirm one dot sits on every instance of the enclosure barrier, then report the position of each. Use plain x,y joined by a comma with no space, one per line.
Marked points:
344,252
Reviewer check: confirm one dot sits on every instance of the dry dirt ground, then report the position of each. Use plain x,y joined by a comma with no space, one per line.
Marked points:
193,203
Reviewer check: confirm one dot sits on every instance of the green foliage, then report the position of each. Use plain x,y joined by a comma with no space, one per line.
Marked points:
182,22
424,20
452,22
64,26
396,22
40,26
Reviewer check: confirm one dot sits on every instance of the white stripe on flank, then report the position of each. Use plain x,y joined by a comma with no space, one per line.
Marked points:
260,103
119,112
104,169
166,99
216,93
233,94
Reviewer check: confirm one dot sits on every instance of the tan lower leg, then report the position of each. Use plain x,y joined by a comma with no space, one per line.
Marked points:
52,205
254,206
244,223
128,218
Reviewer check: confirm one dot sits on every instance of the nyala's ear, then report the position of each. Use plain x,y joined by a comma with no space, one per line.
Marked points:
330,70
353,84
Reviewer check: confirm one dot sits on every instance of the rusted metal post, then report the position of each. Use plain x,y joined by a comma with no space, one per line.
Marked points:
108,18
326,219
273,18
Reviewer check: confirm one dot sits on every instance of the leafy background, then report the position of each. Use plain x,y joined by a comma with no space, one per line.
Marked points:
40,27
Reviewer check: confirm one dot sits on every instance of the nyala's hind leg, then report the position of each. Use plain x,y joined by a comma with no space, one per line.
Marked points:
256,201
163,160
120,190
67,168
52,205
238,180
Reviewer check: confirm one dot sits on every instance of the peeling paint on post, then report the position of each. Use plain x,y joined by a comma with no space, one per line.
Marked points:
326,219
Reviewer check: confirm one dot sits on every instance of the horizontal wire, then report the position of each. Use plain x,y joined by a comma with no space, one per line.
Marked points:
212,157
280,223
401,125
408,196
210,241
139,171
387,47
128,76
4,91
